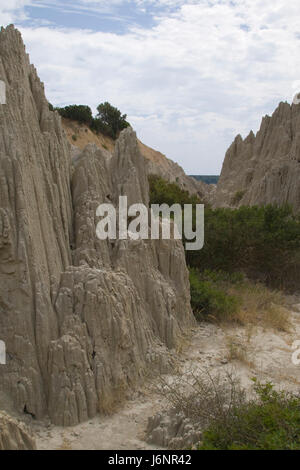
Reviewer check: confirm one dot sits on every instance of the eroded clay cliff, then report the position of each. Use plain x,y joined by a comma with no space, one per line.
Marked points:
158,164
14,435
264,168
79,135
82,319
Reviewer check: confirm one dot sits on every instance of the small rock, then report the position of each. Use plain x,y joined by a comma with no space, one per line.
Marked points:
224,361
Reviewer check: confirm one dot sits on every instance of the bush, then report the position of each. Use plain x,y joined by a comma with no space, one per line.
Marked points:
199,398
238,196
228,416
80,113
229,297
271,421
109,120
262,242
163,192
207,300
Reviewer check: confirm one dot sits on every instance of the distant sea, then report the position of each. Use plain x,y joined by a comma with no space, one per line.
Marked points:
209,179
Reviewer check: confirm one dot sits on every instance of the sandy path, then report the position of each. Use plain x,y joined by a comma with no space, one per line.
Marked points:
266,354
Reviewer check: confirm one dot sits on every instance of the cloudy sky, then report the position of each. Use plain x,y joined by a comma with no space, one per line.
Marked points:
190,74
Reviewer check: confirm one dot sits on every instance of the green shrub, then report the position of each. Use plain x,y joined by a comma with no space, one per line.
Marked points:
263,242
222,277
238,196
109,120
74,137
207,300
80,113
163,192
230,297
270,421
101,128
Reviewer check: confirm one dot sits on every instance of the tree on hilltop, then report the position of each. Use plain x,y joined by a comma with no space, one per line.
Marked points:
110,120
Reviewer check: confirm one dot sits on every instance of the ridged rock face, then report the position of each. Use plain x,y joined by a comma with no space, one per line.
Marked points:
264,169
82,319
14,435
35,227
158,164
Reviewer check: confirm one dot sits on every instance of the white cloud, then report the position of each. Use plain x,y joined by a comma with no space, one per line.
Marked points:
13,10
205,72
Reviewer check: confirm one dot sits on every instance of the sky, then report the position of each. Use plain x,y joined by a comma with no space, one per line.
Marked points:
190,74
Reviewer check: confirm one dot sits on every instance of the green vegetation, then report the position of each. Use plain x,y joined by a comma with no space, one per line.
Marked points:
247,252
162,192
210,300
109,120
80,113
270,421
261,242
229,417
238,196
230,297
